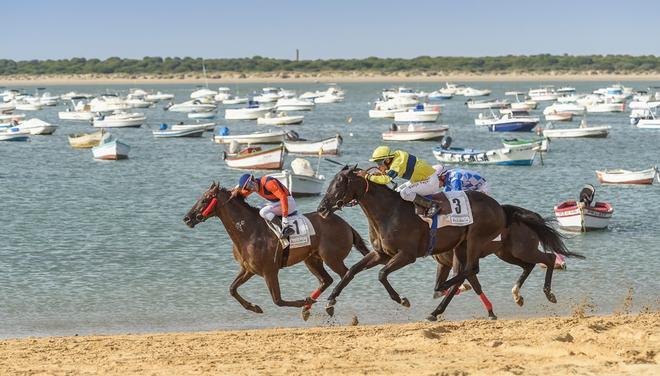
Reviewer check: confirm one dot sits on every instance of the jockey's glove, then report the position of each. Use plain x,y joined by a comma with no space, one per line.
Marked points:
285,221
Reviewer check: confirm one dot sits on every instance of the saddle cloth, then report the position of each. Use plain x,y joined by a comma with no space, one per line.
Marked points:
303,230
460,215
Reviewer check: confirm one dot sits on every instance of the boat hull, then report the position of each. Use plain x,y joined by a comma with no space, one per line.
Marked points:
421,135
516,126
416,116
300,185
270,159
519,156
593,132
111,151
255,138
645,177
575,217
330,146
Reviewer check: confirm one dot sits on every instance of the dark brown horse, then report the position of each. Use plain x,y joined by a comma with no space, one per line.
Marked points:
525,231
400,237
255,245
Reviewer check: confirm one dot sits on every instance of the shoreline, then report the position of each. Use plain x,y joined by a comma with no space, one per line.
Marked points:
611,344
325,77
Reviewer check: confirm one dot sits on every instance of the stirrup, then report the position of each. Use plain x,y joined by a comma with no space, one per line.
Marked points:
432,210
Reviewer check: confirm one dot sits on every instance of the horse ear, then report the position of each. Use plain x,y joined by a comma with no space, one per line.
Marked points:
354,167
345,167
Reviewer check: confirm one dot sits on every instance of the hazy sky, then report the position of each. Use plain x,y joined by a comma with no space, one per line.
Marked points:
40,29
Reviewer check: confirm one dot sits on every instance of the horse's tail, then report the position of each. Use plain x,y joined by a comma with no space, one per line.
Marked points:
358,242
550,238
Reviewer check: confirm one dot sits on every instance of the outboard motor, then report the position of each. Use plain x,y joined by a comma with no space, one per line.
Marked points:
292,136
394,127
163,127
587,194
224,131
446,142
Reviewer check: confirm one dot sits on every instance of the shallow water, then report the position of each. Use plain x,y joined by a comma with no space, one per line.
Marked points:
100,247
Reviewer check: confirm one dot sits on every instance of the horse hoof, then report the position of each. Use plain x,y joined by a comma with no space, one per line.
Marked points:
432,318
405,302
491,316
330,310
520,301
438,294
305,314
551,297
256,309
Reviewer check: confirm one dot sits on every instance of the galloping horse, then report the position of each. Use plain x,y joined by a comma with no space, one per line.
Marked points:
399,236
254,245
519,246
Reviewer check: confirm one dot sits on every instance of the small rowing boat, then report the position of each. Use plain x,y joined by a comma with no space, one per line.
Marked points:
621,176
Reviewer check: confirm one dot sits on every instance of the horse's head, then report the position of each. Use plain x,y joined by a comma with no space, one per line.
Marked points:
347,186
207,206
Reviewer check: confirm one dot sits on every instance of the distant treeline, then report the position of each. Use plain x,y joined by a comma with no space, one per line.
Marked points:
495,64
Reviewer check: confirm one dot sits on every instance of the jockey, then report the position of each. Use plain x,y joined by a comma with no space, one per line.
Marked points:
280,200
422,178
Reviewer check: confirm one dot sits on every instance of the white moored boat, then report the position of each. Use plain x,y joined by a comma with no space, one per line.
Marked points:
192,106
472,92
158,96
604,107
575,216
252,112
415,133
326,146
256,158
14,134
301,180
644,119
294,104
166,132
203,93
559,116
573,108
484,104
543,94
271,118
235,100
110,149
419,114
582,131
205,126
521,155
620,176
581,215
37,127
270,137
120,120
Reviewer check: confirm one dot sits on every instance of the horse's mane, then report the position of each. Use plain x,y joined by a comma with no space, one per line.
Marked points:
240,199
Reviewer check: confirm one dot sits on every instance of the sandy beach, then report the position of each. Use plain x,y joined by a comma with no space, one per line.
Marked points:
616,344
219,78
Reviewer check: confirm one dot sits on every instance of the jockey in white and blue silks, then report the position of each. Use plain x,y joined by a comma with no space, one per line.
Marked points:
458,179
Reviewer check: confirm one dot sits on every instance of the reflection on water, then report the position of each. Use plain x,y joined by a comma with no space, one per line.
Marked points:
90,247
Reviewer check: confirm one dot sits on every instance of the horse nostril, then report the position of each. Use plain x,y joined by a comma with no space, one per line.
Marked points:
186,219
340,203
199,217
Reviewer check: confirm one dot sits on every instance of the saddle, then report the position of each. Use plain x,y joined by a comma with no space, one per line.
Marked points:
440,199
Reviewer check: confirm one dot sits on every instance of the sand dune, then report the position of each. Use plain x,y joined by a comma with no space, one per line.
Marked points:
619,344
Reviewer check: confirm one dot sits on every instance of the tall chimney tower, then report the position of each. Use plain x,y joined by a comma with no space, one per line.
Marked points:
297,55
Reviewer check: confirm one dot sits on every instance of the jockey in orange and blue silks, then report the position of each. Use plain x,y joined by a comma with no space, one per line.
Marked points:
280,201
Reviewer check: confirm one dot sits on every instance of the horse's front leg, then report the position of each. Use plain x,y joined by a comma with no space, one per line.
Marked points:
273,283
369,261
242,277
397,262
315,265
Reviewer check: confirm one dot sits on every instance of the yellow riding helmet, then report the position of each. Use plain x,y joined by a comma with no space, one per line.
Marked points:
381,152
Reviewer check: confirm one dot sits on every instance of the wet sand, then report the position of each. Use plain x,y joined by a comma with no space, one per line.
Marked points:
616,344
323,77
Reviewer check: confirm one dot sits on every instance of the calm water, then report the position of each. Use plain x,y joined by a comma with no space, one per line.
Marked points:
100,247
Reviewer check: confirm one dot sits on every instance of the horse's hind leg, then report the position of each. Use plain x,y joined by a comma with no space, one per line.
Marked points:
441,276
242,277
273,283
527,269
538,257
397,262
369,261
474,281
315,265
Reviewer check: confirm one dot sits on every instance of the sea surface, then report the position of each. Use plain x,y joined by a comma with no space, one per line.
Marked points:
100,247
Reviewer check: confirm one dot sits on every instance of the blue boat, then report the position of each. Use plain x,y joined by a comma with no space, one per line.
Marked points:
513,126
14,134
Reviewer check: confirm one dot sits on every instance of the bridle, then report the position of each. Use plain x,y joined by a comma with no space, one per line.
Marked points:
208,209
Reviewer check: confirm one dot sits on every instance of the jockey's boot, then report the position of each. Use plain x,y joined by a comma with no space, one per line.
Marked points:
431,207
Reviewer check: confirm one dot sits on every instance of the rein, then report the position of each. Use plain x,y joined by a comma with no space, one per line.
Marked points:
356,201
